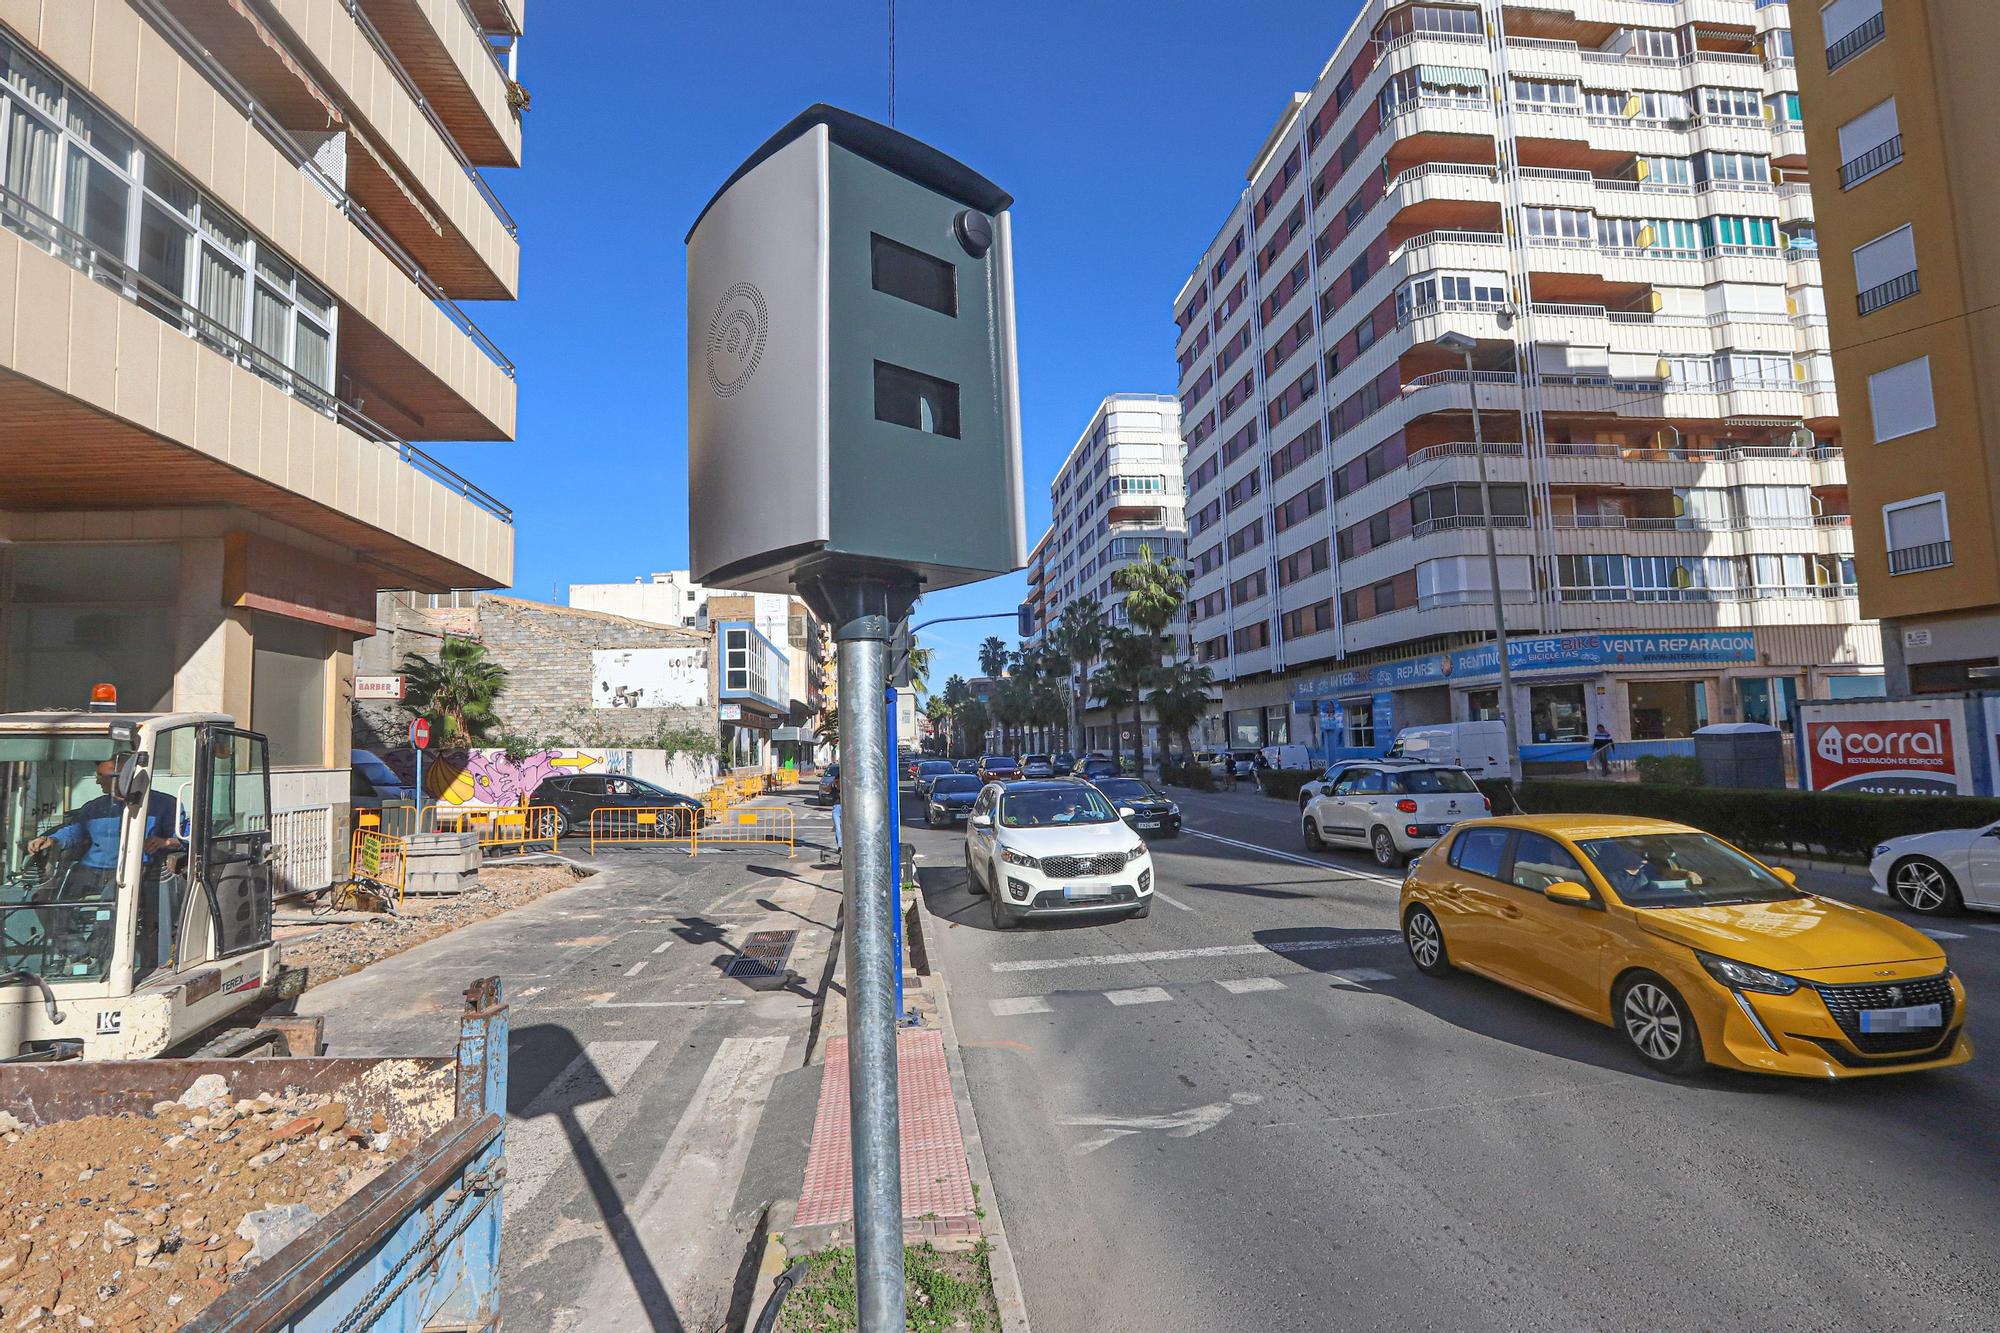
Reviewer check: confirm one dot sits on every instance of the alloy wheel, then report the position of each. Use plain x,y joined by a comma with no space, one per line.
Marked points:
1921,886
1426,946
1385,848
1653,1021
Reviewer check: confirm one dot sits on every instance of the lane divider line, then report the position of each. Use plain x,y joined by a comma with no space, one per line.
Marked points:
637,968
1339,871
663,946
660,1004
1246,985
1161,894
1310,944
1138,995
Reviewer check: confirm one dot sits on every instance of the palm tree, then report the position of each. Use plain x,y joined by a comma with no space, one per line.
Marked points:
919,660
973,720
1130,661
1180,700
1155,591
1080,635
938,713
454,691
956,696
992,656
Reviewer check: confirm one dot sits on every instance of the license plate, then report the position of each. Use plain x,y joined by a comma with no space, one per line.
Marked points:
1077,892
1148,823
1907,1019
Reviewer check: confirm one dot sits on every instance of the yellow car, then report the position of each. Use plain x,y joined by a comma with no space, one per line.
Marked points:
1691,949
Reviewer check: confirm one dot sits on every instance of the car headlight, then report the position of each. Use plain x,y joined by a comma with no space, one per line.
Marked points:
1742,976
1881,849
1136,852
1012,857
1173,809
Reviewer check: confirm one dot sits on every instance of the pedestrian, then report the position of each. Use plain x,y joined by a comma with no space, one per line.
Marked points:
836,829
1600,750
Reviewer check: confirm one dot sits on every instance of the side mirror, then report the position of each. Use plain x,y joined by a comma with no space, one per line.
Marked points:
1567,891
1790,877
982,821
1126,812
131,781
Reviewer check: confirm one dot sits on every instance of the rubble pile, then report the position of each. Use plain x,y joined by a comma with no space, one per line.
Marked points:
133,1223
336,950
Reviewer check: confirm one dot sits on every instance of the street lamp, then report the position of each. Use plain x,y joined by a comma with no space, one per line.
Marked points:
1458,344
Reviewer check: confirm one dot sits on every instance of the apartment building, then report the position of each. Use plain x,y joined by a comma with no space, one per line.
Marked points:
1609,199
1901,101
1120,488
233,242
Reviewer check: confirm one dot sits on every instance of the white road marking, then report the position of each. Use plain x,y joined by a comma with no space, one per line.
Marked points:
636,968
1366,974
1025,1004
663,946
1185,1125
659,1004
1311,944
1245,985
1994,930
1161,894
538,1140
529,993
1940,934
1138,995
1341,871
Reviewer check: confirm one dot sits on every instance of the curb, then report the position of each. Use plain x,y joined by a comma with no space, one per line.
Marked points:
1007,1292
1844,868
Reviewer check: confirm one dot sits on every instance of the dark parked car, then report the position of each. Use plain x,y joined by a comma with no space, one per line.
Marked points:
576,796
966,766
1242,764
1037,766
1096,766
1063,762
929,771
951,799
907,763
829,785
998,768
1153,812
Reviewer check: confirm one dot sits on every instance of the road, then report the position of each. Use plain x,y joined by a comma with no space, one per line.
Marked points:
1250,1111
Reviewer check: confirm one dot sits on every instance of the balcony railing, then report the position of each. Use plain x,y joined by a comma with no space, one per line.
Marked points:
1879,158
1854,43
1910,559
1900,287
44,232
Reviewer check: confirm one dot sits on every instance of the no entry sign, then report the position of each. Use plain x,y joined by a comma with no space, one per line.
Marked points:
420,734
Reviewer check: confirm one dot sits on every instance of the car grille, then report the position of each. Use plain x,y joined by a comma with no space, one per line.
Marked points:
1076,867
1052,899
1845,1003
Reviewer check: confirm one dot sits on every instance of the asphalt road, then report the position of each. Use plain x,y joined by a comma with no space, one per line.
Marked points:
1250,1111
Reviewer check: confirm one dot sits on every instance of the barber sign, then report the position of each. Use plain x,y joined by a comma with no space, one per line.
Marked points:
1884,756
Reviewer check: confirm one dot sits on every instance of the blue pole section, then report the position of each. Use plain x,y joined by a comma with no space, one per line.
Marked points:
895,838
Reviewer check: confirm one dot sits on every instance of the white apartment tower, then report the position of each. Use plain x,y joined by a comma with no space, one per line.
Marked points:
1609,198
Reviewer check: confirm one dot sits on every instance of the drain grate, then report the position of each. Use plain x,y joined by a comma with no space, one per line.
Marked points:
761,961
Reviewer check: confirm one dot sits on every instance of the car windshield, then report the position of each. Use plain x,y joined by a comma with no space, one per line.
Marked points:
1055,807
1127,789
1425,781
1682,870
957,782
934,766
58,897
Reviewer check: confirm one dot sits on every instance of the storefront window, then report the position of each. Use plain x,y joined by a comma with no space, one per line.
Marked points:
1359,716
1770,700
1482,706
78,615
1556,712
1277,725
1246,728
1667,708
288,674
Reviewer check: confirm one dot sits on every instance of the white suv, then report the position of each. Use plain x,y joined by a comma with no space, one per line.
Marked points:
1394,810
1054,847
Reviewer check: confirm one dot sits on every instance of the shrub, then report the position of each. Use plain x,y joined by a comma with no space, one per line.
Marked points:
1186,773
1676,770
1284,783
1779,820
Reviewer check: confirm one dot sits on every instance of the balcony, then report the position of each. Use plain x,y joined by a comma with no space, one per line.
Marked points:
439,48
1910,559
1854,43
1877,159
1901,287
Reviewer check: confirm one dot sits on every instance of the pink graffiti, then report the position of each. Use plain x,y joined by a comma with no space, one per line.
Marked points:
498,780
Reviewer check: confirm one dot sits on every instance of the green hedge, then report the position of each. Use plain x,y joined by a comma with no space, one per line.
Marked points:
1178,773
1833,824
1284,783
1674,770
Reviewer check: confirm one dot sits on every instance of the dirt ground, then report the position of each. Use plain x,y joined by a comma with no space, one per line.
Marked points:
135,1223
947,1292
334,950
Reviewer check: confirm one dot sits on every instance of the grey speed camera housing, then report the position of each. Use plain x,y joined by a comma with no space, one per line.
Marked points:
852,398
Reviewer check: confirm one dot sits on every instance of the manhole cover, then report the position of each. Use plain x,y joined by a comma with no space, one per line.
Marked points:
761,960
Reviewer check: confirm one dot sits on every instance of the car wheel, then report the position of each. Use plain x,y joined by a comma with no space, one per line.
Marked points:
1314,843
563,826
972,884
1922,885
1658,1023
1305,799
1384,847
1002,918
1425,940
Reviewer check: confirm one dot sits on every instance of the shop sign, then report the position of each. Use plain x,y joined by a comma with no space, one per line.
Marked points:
730,712
367,688
1552,652
1910,756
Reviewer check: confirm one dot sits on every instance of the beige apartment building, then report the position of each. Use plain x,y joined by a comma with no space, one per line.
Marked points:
1901,102
234,235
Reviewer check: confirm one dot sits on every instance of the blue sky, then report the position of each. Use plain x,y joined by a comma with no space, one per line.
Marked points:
1122,130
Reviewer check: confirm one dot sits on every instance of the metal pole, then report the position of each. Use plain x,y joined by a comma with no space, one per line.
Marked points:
1493,573
895,838
871,994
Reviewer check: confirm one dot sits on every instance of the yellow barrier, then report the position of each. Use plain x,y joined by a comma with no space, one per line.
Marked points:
649,825
765,825
397,821
505,826
381,857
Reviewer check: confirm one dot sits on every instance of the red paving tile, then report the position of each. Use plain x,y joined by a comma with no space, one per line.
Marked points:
935,1180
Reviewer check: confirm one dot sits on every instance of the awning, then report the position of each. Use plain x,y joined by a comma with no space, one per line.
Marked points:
1451,76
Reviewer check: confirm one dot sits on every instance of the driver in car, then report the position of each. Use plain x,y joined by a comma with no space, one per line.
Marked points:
92,829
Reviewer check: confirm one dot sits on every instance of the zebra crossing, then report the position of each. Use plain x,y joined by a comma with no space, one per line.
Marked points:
1018,1006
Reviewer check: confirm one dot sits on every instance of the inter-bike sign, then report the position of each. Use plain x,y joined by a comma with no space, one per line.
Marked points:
1553,652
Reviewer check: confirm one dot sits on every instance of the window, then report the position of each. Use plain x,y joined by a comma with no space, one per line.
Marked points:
1870,143
1541,94
1559,224
1885,270
913,276
1592,578
1899,400
1919,533
1555,712
1851,27
905,397
288,678
1480,851
77,614
1456,580
1540,861
1742,103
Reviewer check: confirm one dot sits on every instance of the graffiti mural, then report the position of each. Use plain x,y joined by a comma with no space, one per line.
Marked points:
489,777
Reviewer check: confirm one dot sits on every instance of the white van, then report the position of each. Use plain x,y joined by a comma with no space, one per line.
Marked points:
1287,756
1480,748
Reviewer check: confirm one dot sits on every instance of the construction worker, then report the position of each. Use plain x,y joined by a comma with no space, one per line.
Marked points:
90,836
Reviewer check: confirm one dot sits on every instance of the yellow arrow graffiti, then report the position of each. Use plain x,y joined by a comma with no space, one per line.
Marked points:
576,761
